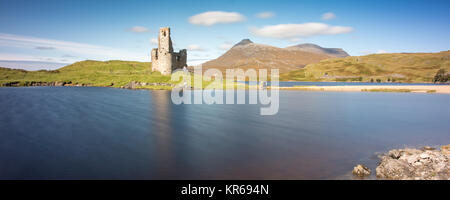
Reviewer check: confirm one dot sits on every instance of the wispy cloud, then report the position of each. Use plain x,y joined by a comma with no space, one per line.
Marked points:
293,31
154,41
216,17
68,56
328,16
26,57
225,46
195,47
265,15
73,48
44,48
48,64
139,29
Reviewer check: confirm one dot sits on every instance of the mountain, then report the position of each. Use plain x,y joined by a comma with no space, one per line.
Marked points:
398,67
312,48
247,54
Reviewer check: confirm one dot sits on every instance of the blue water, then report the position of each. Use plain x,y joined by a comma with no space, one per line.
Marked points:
301,83
106,133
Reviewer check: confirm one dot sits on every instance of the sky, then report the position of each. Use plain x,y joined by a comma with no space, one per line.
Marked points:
64,31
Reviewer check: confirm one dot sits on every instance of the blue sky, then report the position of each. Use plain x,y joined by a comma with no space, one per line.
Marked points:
69,31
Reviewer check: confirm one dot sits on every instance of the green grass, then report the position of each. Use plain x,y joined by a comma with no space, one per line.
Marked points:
396,67
101,74
92,73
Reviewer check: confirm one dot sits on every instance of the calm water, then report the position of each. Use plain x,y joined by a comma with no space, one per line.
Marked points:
303,83
105,133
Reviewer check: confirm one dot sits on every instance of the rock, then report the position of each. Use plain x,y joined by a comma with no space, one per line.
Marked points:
135,84
414,164
57,83
361,171
428,148
395,154
445,149
132,85
12,84
424,156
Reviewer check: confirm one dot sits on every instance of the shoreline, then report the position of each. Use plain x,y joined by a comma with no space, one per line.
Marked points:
441,89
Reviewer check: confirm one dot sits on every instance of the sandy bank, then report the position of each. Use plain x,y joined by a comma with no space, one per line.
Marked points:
444,89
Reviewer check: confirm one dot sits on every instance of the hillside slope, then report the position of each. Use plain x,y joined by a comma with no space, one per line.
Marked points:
247,54
403,67
92,73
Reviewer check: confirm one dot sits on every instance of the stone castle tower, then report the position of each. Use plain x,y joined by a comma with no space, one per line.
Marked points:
164,59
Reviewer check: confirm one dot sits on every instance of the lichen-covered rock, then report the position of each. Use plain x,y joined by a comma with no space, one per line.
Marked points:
361,171
428,148
446,149
57,83
414,164
131,85
135,85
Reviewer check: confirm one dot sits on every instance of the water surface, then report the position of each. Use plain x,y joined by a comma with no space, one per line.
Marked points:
106,133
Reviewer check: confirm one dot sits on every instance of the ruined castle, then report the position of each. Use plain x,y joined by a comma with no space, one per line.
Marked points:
164,59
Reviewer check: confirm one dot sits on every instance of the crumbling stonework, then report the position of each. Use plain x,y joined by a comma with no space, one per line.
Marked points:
164,59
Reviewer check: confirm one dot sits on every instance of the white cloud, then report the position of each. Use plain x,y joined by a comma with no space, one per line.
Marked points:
372,52
292,31
73,48
225,46
195,47
154,41
139,29
295,40
366,52
216,17
328,16
265,15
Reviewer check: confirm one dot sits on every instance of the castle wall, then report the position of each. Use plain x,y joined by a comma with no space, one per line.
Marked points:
179,59
164,59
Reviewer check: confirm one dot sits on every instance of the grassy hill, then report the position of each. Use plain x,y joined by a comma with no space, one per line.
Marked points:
92,73
399,67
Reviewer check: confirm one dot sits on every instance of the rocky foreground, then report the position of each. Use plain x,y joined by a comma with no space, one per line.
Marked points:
411,164
40,83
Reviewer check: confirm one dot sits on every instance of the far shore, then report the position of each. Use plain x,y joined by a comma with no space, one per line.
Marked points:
442,89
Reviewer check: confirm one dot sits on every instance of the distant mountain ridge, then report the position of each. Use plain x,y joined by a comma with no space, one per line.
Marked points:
246,54
31,65
313,48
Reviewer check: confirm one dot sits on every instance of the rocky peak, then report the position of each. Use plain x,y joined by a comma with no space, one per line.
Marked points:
243,42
